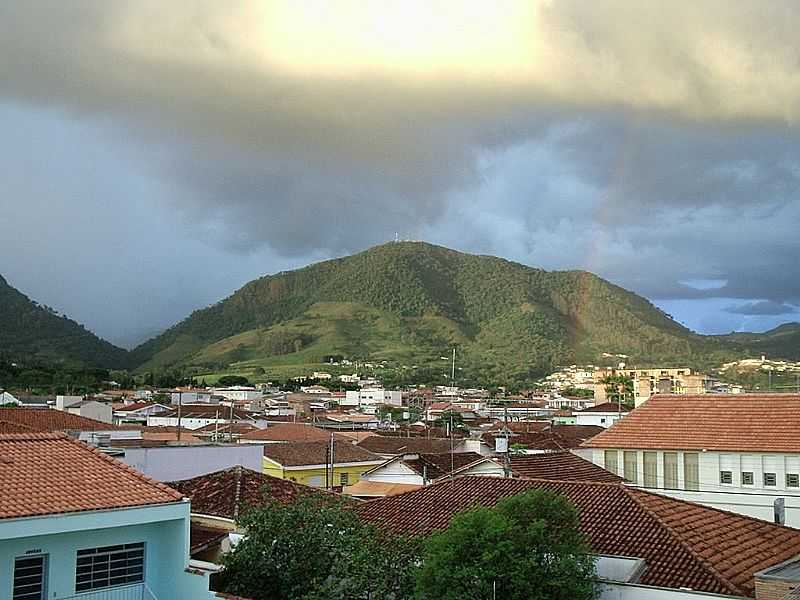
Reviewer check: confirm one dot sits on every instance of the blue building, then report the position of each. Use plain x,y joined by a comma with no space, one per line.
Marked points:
78,525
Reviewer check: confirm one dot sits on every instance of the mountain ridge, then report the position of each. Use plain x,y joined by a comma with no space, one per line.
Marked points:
29,329
418,296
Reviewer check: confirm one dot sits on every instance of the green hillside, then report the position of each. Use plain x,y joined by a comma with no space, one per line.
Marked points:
409,303
30,330
783,341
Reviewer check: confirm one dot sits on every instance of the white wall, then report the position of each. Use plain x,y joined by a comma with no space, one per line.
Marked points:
172,463
597,418
630,591
751,500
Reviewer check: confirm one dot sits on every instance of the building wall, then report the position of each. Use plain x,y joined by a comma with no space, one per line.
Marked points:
60,537
755,500
632,591
315,476
602,419
173,463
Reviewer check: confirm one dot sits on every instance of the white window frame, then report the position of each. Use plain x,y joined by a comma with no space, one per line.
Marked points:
113,555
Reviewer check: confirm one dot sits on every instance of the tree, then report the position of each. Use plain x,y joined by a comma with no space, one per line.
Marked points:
316,548
619,388
227,380
528,547
450,416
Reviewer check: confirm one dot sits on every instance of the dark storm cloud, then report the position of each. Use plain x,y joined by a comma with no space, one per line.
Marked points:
652,144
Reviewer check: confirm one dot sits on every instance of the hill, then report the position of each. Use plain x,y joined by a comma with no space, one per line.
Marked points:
782,341
30,330
409,303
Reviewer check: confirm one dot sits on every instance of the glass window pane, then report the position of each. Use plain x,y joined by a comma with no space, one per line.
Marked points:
691,471
631,466
671,470
650,469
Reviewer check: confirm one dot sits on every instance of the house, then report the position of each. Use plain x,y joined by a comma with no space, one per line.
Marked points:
310,463
423,469
286,432
344,421
224,432
193,396
738,452
85,407
559,466
392,446
219,498
137,412
51,420
371,396
239,393
603,415
565,402
76,523
550,438
670,549
171,462
195,416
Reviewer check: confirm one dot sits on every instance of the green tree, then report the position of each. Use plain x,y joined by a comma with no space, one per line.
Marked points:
619,388
227,380
316,548
528,547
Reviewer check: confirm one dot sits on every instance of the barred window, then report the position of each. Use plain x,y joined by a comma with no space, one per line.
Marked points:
747,478
109,566
726,477
792,480
770,479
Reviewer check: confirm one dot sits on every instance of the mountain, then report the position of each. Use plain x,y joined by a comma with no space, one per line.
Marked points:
409,303
783,341
30,330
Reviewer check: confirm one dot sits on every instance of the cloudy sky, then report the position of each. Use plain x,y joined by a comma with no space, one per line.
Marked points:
156,156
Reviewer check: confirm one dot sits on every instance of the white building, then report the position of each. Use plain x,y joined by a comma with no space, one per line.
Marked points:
91,409
6,398
604,415
739,453
371,396
199,415
239,393
564,403
193,397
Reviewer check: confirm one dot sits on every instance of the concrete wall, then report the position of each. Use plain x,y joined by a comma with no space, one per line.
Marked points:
164,530
602,419
315,474
173,463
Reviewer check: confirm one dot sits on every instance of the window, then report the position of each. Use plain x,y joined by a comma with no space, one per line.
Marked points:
792,480
747,478
29,577
316,481
726,477
691,471
671,470
770,480
344,478
109,566
630,466
610,461
650,469
602,419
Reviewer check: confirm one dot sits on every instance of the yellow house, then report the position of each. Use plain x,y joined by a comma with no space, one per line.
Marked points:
309,462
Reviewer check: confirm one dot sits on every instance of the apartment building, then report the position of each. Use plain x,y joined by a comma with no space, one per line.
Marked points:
734,452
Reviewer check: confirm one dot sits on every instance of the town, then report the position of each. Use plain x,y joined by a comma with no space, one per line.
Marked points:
685,487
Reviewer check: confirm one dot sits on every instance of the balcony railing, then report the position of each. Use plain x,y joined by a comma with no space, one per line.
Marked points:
140,591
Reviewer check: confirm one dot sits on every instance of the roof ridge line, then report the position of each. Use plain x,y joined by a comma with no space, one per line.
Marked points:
631,493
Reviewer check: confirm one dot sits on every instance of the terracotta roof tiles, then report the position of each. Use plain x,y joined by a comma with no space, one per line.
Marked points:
559,466
683,544
399,445
50,473
226,493
737,422
298,454
50,420
289,432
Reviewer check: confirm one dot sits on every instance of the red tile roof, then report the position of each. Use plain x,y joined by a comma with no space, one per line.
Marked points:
289,432
559,466
298,454
225,428
399,445
553,438
50,473
683,544
202,537
9,427
737,422
606,407
435,466
227,493
50,419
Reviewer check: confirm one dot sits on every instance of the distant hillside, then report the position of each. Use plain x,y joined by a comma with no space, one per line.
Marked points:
781,342
409,303
28,329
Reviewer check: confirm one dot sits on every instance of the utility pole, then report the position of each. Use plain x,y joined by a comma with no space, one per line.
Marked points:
507,457
230,425
453,372
333,458
180,406
452,443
